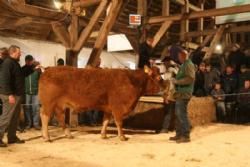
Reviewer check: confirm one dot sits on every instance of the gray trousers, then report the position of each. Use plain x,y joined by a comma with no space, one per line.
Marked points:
9,117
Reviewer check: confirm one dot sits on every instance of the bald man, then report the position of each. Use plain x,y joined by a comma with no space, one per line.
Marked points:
184,84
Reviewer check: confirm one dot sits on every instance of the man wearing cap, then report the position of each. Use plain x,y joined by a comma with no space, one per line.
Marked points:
184,84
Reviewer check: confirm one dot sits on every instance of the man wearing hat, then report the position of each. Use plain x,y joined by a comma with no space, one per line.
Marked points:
184,84
236,58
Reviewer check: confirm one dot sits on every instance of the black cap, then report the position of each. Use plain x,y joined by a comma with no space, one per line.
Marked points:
29,58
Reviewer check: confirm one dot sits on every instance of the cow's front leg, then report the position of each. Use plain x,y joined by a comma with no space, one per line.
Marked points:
119,123
106,119
45,123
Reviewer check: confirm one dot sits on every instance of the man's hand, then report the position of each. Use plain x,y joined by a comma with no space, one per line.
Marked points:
12,99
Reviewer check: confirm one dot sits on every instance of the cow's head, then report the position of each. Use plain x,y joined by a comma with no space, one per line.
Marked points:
154,80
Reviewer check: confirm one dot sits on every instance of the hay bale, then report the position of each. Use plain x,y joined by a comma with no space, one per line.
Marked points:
147,115
201,111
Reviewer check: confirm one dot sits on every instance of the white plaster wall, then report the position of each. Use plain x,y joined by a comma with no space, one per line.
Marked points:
47,53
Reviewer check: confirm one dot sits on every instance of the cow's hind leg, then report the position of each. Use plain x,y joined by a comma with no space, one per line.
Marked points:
106,119
119,124
45,122
60,115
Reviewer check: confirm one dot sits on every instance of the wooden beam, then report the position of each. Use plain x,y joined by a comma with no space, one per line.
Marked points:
89,28
165,26
201,22
205,13
62,33
86,3
215,41
105,29
73,30
191,6
165,7
30,10
184,22
231,29
142,7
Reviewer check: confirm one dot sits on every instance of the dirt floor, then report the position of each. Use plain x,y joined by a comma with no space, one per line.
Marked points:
211,146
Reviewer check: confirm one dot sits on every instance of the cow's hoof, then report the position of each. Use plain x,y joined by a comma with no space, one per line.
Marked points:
47,141
70,137
104,137
123,138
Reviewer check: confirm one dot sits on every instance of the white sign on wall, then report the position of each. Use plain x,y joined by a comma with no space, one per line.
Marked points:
234,17
135,19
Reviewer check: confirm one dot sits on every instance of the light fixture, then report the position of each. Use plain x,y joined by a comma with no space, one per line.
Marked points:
58,4
218,48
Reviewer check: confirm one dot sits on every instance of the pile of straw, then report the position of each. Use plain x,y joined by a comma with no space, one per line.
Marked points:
201,111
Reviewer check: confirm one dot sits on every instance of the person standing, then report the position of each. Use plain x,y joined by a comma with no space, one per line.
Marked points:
169,89
184,84
218,95
145,51
31,93
11,92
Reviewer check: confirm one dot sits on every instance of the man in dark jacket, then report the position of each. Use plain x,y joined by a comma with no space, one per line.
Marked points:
230,86
199,89
11,92
145,51
236,58
31,93
244,102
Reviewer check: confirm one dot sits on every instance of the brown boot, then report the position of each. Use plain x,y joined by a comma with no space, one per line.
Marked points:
183,139
175,138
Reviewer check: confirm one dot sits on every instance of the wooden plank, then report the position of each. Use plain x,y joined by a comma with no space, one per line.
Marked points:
205,13
86,3
62,33
191,6
89,28
215,41
165,26
105,29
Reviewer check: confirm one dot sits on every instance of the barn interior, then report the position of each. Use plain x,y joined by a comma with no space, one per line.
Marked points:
83,31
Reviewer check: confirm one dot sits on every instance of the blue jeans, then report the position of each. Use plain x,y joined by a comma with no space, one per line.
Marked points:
182,121
169,114
31,110
220,111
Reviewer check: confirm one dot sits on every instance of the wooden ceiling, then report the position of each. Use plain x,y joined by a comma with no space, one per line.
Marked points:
31,19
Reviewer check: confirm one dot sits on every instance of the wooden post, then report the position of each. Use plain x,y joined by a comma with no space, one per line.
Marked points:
215,41
184,22
142,6
165,26
104,31
201,22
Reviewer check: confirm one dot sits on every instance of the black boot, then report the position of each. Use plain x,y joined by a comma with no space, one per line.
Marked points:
16,140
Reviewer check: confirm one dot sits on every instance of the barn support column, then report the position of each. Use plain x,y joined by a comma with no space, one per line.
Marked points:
184,22
201,22
165,26
105,29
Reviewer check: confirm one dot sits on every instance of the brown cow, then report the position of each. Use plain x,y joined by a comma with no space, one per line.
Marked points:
113,91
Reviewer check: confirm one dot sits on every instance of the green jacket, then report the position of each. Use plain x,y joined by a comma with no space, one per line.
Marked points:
185,80
31,83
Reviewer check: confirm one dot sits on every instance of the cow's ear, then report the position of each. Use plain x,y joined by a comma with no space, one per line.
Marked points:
148,70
